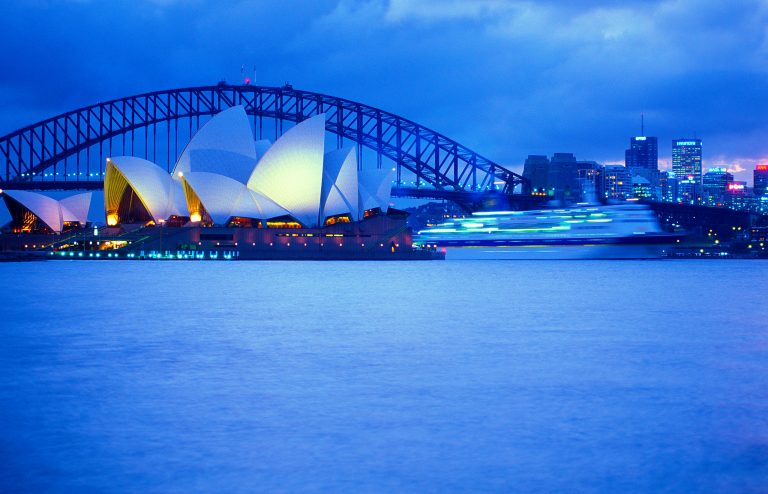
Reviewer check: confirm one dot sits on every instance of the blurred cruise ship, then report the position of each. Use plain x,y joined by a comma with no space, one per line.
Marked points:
625,231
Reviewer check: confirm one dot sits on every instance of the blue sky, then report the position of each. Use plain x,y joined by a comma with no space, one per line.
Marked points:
505,78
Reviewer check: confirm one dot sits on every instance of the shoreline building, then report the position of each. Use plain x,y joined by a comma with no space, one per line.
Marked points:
618,182
563,177
536,170
686,165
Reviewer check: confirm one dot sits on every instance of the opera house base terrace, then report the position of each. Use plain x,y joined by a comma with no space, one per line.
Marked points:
228,198
378,237
382,237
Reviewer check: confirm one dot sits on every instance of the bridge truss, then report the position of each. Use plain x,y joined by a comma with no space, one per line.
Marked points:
69,151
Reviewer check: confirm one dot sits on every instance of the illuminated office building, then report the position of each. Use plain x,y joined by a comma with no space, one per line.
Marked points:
686,165
617,182
715,185
760,176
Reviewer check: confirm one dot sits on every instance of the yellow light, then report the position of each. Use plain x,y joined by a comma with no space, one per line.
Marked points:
181,174
111,219
195,217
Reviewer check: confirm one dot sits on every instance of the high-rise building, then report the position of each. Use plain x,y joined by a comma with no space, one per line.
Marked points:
564,177
536,170
686,165
590,180
668,184
617,182
715,185
642,157
760,185
736,195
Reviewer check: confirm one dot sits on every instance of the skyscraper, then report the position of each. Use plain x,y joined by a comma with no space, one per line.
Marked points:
760,180
536,170
686,165
564,177
642,157
715,185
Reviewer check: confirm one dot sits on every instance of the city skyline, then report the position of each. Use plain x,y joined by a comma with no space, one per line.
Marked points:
508,79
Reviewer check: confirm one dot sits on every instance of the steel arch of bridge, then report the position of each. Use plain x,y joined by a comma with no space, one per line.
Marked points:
40,155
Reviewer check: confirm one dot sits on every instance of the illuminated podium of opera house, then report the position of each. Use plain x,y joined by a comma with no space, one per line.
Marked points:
227,196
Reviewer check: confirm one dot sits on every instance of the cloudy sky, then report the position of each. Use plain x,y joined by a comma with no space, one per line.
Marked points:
505,78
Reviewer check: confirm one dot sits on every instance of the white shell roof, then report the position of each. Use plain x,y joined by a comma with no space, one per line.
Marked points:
224,145
339,194
255,205
76,207
47,209
224,197
375,189
159,193
217,193
291,171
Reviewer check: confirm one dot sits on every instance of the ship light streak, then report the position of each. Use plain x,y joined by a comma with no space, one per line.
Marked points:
480,230
530,230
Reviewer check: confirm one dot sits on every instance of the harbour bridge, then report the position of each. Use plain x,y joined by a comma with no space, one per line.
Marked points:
69,151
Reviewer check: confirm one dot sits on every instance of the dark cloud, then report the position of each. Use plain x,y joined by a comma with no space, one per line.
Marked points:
506,78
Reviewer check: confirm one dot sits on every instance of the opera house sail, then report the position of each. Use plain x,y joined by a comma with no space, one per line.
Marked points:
35,212
228,190
139,191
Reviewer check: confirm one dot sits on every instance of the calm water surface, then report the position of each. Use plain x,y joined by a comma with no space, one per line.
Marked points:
379,377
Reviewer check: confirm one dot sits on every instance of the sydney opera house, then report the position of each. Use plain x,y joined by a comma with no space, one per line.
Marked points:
229,194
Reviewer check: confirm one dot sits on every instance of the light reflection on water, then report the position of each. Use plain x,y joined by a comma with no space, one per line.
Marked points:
332,376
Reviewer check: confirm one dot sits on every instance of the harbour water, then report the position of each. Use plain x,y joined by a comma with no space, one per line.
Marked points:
591,376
